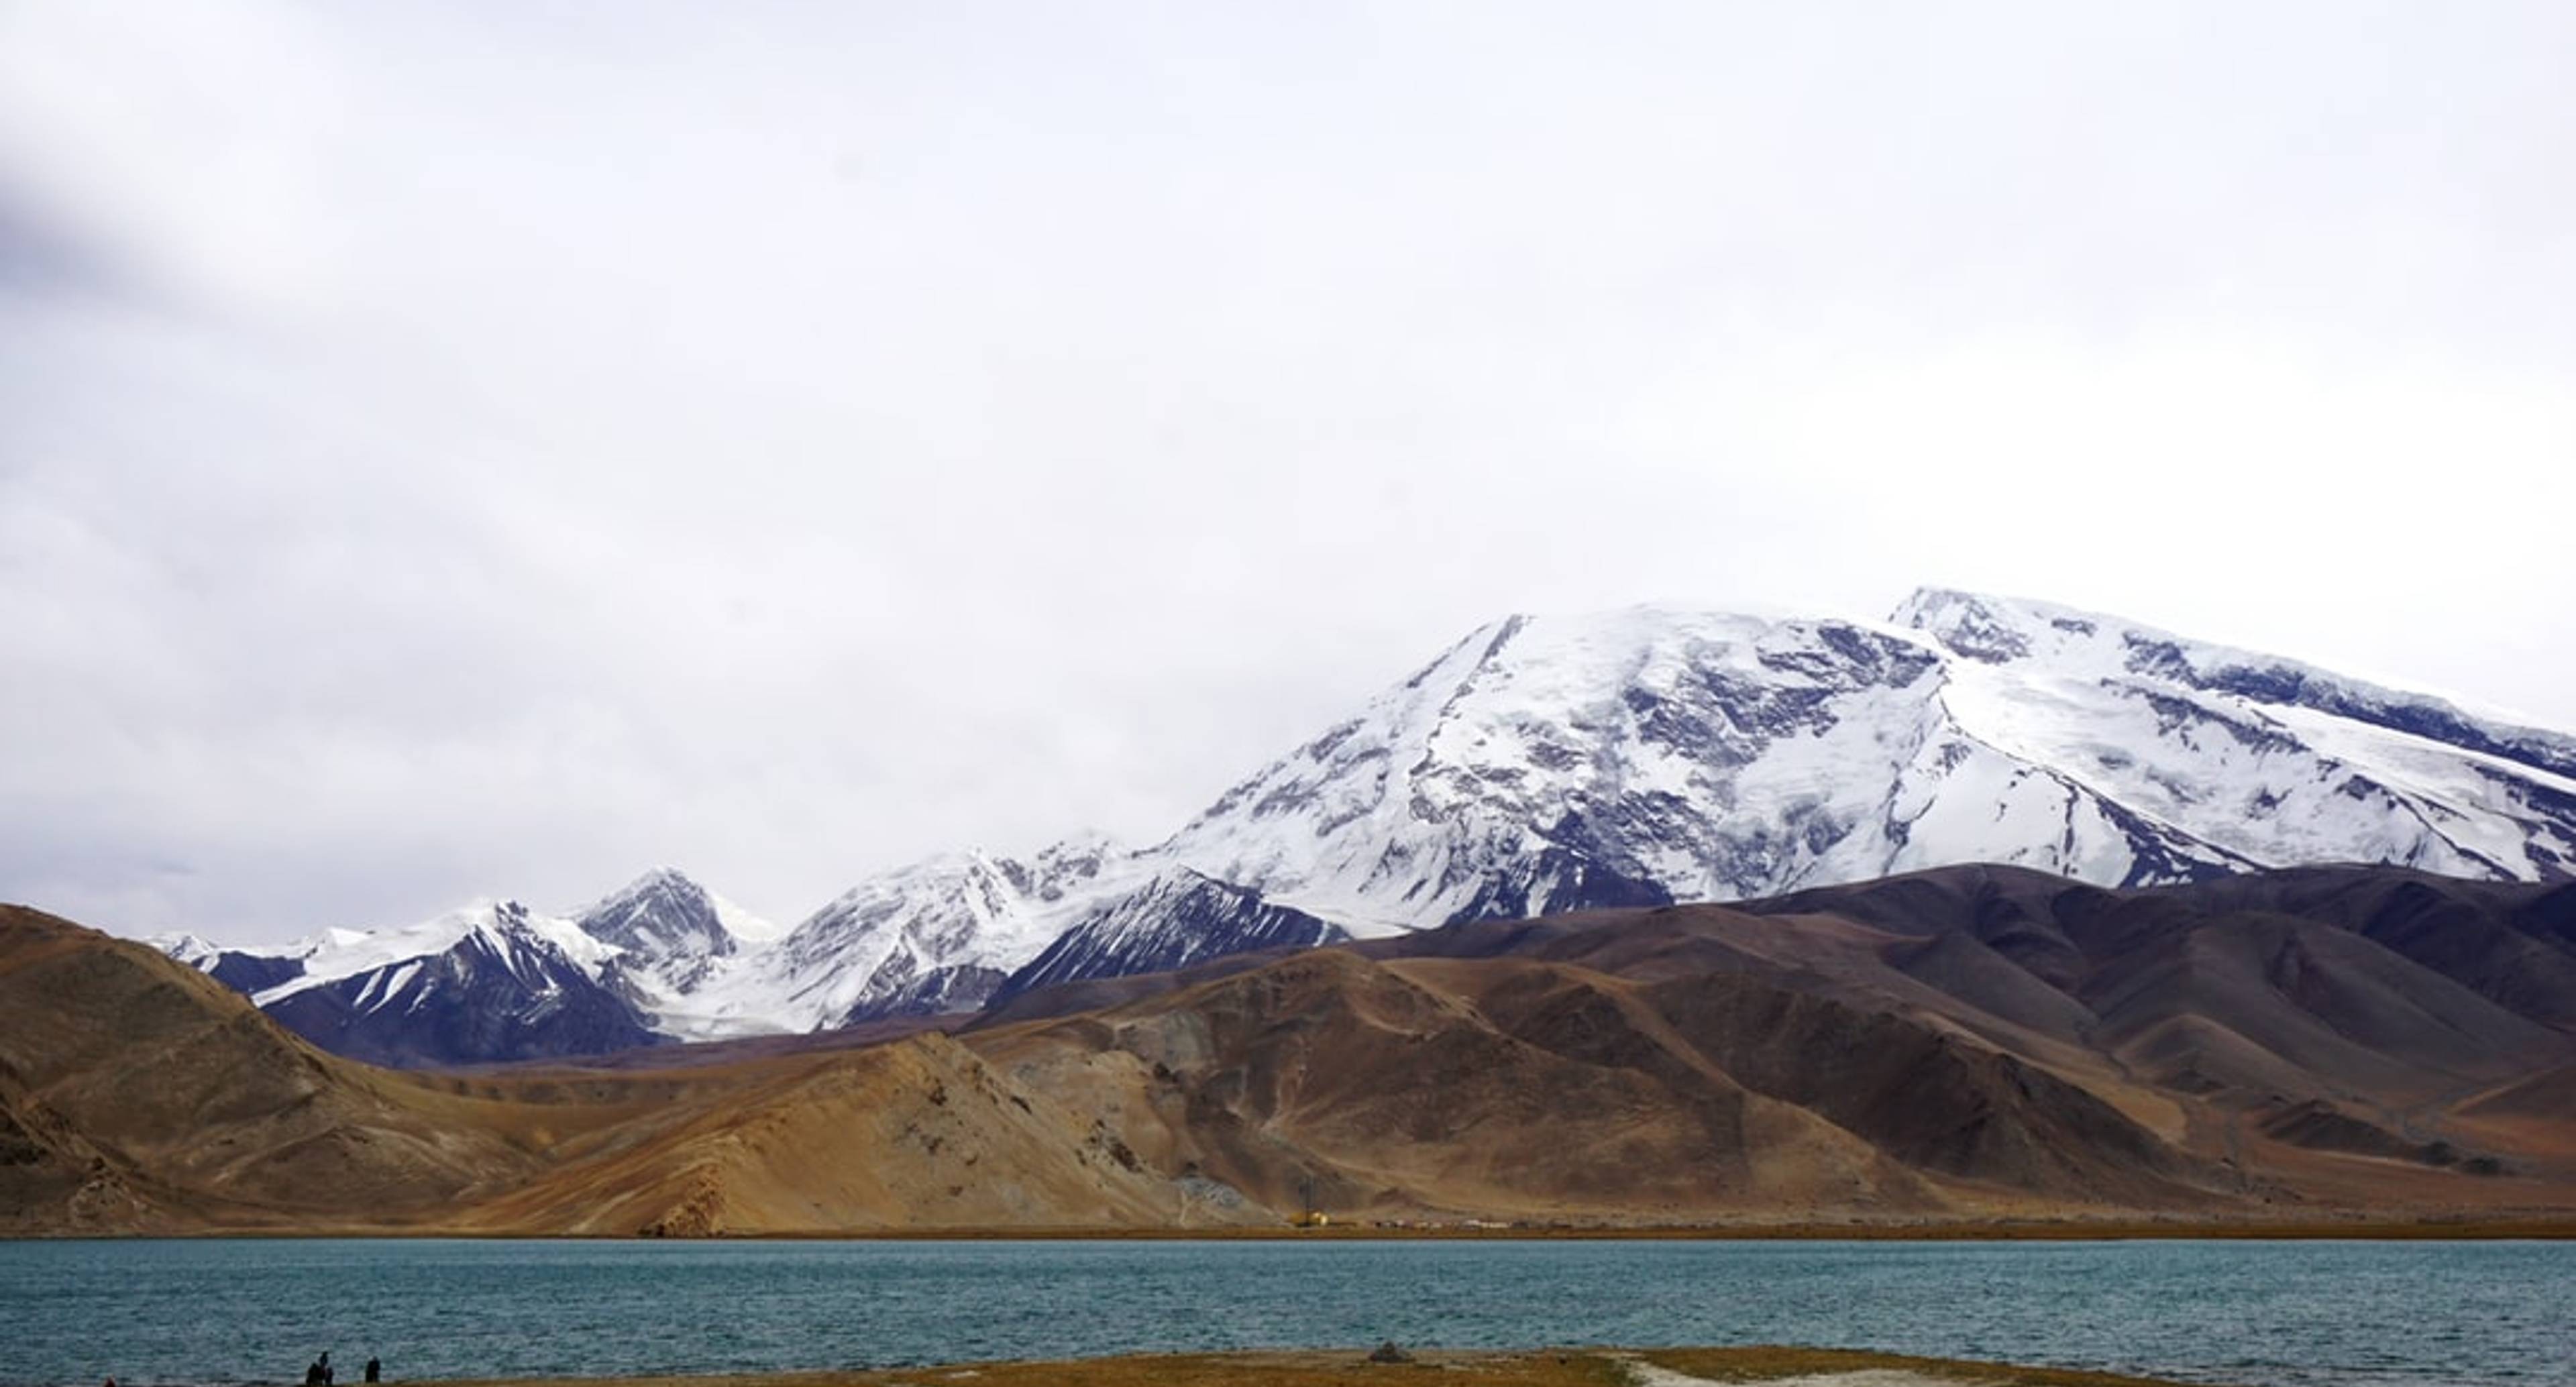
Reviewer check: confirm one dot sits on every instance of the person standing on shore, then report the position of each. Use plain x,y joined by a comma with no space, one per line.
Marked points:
375,1370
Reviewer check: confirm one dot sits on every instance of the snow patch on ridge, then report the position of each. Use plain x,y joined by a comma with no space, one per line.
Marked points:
505,926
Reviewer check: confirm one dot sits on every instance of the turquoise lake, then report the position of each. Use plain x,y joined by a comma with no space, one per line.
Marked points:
2256,1313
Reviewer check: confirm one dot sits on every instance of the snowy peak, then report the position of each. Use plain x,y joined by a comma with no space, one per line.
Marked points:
502,933
934,907
671,931
1551,763
535,949
189,949
2267,760
2109,647
936,935
1066,868
1983,628
490,981
1556,763
1546,764
1172,919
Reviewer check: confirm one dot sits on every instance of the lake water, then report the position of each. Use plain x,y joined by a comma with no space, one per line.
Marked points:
2354,1314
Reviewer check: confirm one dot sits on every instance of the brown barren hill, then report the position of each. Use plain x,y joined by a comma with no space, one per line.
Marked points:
917,1133
138,1094
1456,1087
1393,1095
1973,1044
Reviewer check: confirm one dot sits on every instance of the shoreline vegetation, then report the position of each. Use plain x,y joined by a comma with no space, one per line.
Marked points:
1389,1367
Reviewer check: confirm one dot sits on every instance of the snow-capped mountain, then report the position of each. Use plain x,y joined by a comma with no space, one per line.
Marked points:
1543,764
2259,758
493,981
1546,764
954,932
1172,919
671,932
242,970
937,935
943,933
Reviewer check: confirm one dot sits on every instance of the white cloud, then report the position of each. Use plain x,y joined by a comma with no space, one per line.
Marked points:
495,450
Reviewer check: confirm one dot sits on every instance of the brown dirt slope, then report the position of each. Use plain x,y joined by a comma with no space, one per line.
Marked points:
152,1097
1508,1087
1386,1093
138,1095
1955,1045
917,1133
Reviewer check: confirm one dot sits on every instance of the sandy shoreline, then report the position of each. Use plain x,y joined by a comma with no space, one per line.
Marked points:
1572,1367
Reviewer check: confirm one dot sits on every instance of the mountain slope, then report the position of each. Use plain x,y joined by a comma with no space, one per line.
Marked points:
1958,1044
1555,764
2456,977
1546,765
136,1094
2271,760
1549,764
491,982
1173,920
919,1133
671,932
938,935
1383,1090
2263,1037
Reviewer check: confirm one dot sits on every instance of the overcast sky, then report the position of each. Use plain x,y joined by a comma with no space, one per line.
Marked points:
490,449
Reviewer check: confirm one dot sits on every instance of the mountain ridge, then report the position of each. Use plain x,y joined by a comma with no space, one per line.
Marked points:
1649,756
1951,1047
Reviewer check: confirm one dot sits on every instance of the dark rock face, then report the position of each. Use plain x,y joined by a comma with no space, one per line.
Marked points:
2291,686
957,987
1179,919
501,993
2283,684
668,927
247,973
1556,881
495,984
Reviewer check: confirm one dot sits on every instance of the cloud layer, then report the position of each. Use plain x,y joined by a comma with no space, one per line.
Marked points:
450,450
